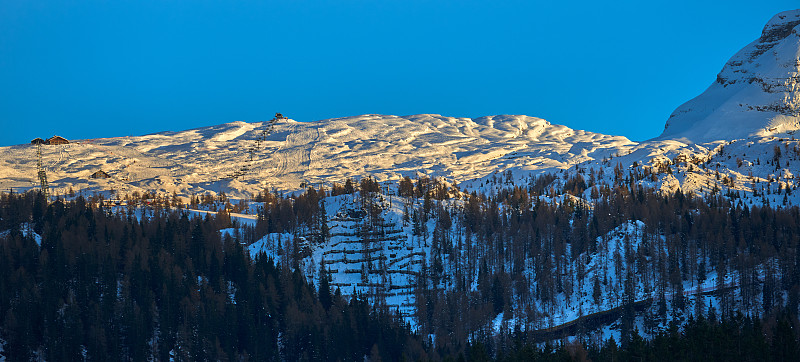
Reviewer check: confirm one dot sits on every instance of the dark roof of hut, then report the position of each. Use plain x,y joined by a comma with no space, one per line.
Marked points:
57,139
100,173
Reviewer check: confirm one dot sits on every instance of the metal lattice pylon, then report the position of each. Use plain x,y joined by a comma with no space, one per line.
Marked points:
41,172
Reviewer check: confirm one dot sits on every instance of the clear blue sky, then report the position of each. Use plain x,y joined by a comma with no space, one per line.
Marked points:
86,69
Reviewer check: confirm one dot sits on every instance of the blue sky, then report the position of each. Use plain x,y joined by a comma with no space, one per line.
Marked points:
87,69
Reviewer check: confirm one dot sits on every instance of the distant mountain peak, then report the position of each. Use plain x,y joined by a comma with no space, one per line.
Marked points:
757,93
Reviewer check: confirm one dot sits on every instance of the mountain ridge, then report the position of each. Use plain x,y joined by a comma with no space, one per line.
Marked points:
294,153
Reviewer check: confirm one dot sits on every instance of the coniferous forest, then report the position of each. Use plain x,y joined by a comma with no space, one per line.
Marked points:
112,287
118,284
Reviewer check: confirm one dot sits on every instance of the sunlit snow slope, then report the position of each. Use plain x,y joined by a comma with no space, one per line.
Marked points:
387,147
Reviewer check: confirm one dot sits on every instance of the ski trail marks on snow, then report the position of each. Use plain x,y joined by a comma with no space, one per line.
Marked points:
234,133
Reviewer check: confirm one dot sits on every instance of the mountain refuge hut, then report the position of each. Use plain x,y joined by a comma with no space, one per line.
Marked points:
57,140
100,174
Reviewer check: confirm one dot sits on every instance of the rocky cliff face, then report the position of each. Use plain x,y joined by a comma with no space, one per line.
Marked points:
756,93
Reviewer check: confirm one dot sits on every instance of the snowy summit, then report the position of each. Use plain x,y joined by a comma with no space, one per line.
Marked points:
757,93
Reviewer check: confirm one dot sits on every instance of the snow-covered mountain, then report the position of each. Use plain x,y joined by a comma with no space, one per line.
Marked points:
293,154
757,93
735,139
735,127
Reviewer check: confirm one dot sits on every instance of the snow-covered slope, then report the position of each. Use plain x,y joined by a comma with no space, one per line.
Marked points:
759,170
383,259
297,153
757,93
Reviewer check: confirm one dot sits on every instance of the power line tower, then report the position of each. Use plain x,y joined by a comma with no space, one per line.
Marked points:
41,173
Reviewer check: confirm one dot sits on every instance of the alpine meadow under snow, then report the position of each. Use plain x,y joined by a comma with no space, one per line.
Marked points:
477,235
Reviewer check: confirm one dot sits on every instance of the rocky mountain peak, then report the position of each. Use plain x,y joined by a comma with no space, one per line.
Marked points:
757,93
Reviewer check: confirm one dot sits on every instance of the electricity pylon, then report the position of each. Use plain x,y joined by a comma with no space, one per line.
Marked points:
41,172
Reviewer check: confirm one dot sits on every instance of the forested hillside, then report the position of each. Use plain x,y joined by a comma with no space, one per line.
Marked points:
113,286
631,262
489,276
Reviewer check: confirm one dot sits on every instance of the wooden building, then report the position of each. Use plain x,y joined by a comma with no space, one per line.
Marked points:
57,140
100,174
38,141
